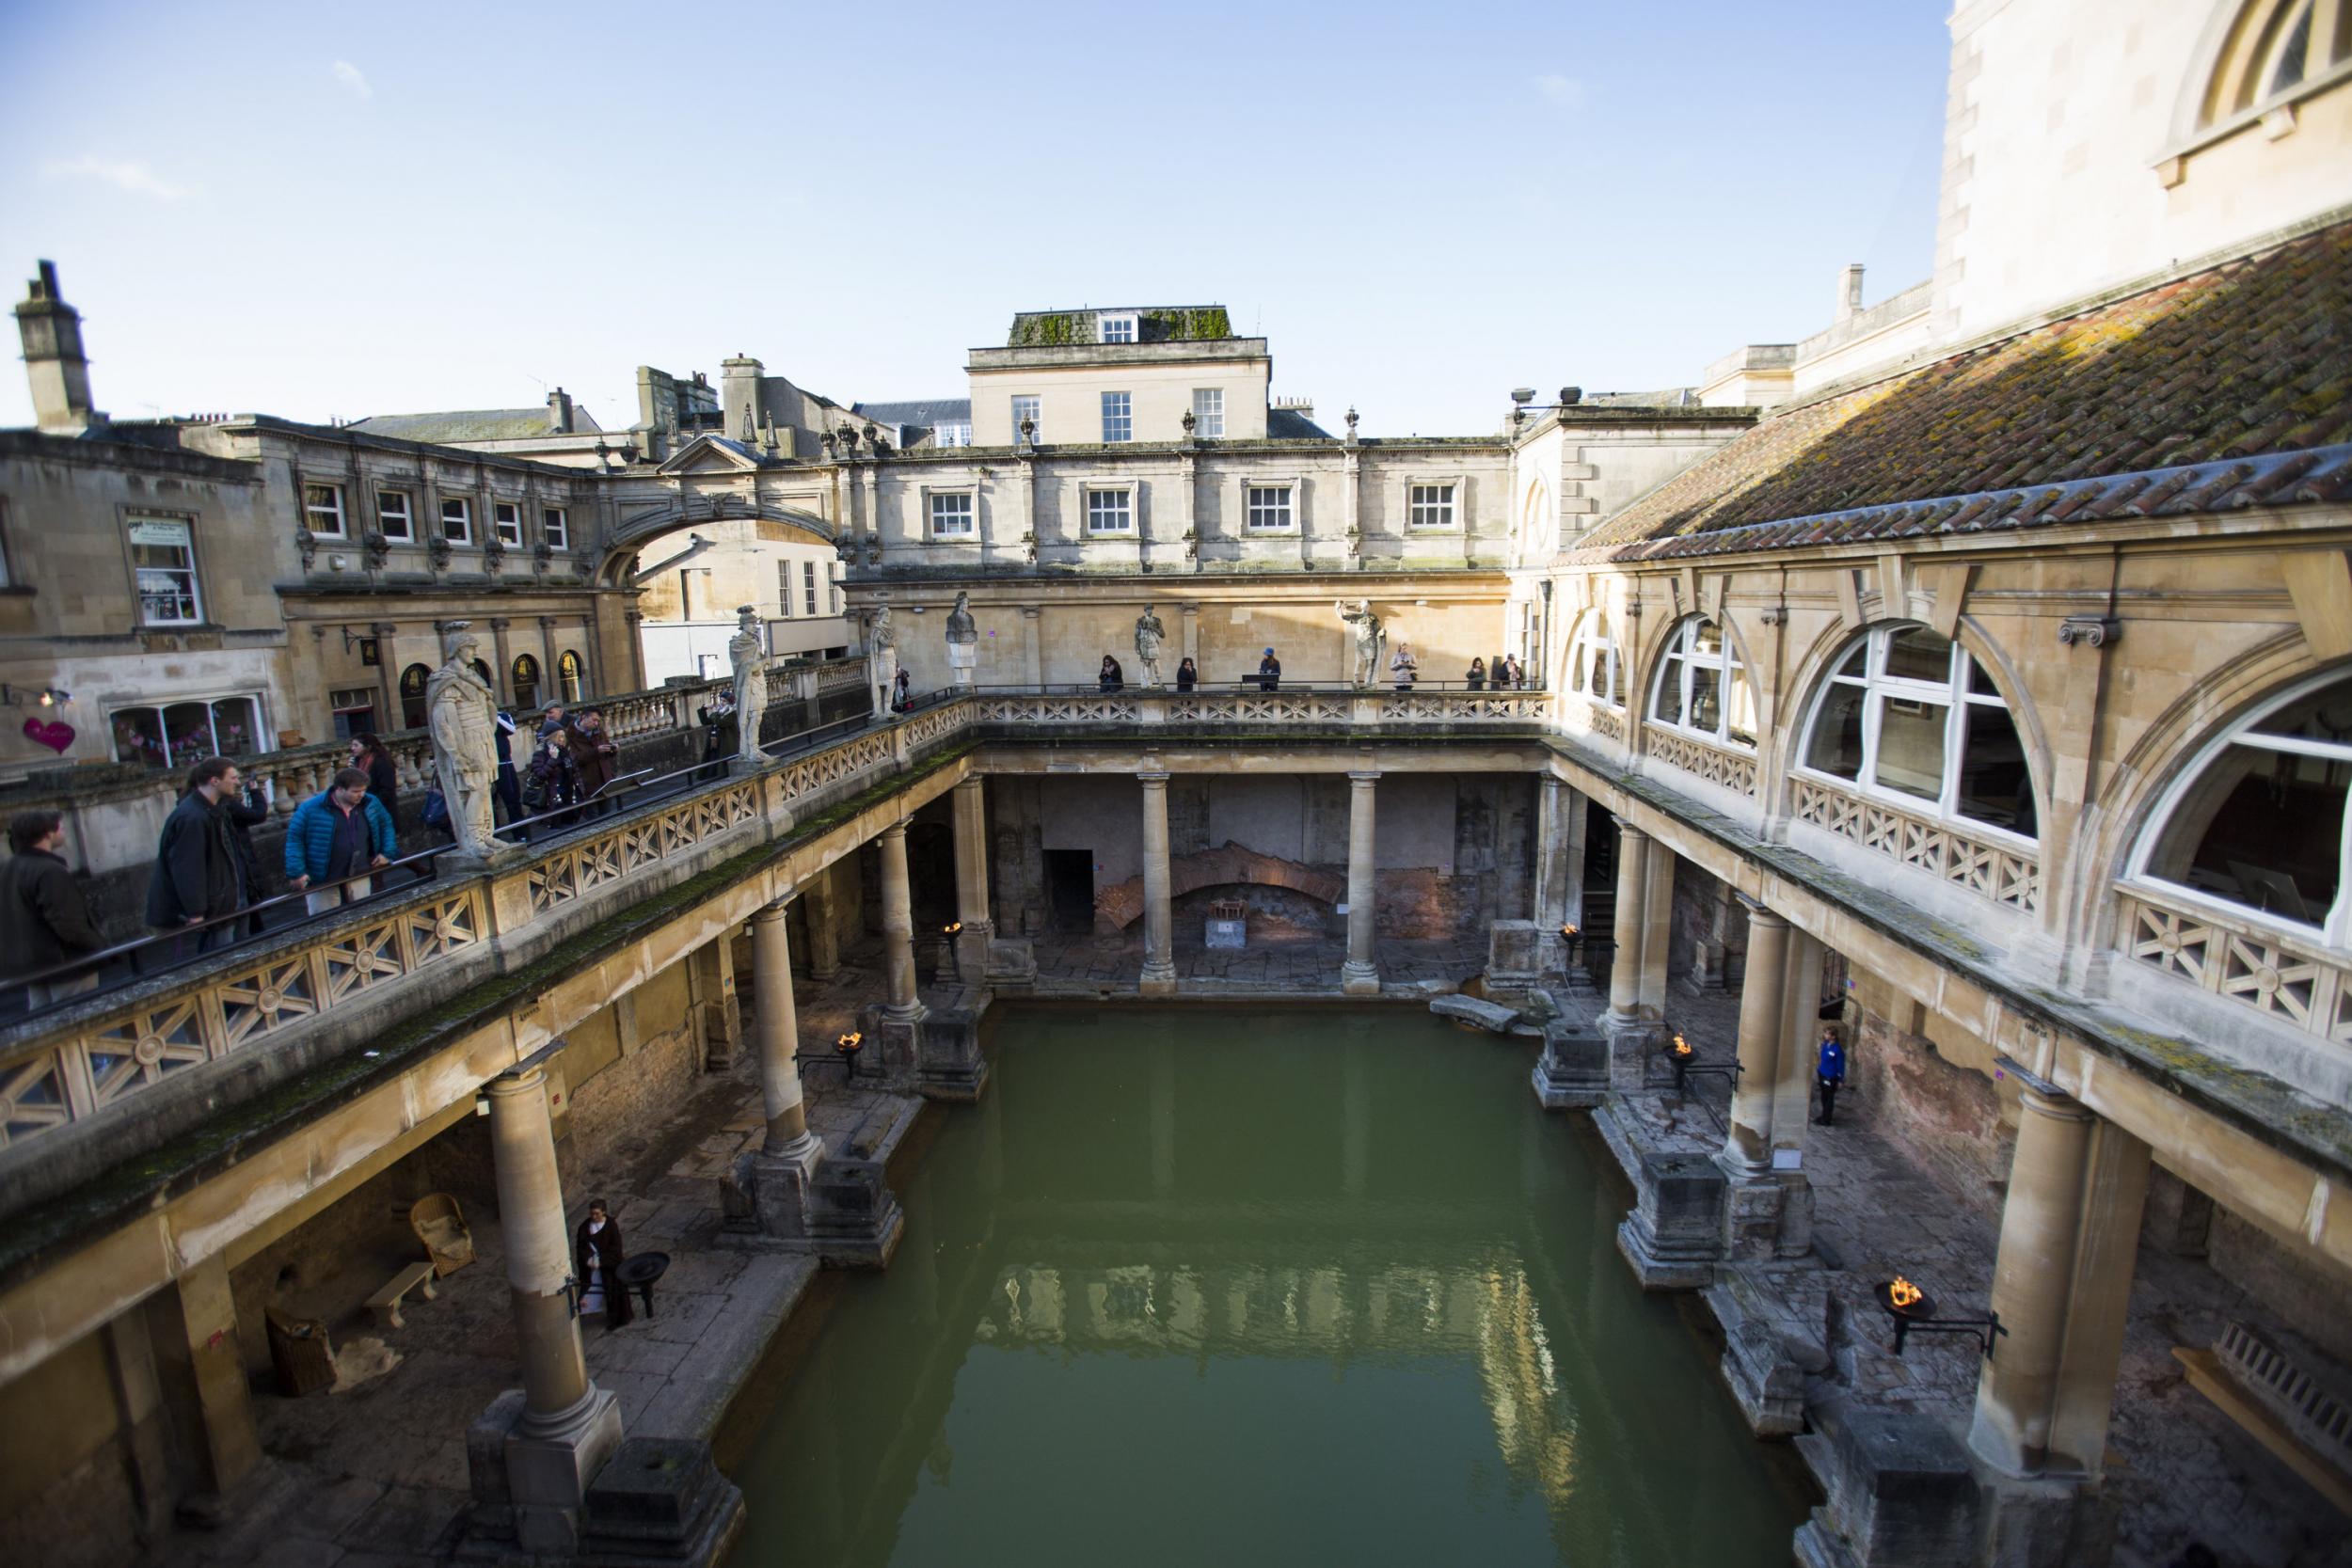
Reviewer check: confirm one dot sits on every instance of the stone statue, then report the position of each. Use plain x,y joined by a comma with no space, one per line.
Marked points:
749,659
1366,627
883,668
462,712
885,635
1150,634
961,629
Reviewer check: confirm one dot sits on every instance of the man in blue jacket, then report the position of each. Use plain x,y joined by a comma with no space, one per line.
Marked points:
336,834
1831,1072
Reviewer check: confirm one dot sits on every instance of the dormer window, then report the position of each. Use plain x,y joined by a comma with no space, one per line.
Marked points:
1118,326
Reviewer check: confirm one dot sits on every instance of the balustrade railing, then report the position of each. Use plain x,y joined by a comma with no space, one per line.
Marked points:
2298,982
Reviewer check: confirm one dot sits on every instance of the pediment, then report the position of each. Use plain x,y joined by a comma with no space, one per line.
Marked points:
708,454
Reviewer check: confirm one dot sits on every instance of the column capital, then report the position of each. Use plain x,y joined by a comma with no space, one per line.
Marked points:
2049,1100
1761,911
1156,777
772,909
1627,831
1364,778
525,1079
897,830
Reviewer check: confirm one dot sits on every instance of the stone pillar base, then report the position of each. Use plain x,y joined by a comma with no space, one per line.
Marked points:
662,1500
770,1194
947,1060
892,1044
1766,1213
1768,1349
1902,1495
1513,958
1573,1071
1011,963
531,1489
1674,1237
1359,979
1632,1041
1158,979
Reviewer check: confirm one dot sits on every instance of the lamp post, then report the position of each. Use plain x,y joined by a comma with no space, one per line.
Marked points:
1914,1311
955,958
850,1045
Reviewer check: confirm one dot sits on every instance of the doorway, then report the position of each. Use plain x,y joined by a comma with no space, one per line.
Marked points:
1070,889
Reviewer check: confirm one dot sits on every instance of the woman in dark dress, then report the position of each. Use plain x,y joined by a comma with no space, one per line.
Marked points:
1113,678
597,1249
1186,676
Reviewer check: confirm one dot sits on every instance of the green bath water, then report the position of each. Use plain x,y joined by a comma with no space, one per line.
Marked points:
1197,1286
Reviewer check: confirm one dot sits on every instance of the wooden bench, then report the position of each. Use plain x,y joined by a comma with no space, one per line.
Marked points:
385,1304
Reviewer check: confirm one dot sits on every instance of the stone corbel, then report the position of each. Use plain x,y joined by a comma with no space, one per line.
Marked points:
1776,616
307,543
439,552
2096,631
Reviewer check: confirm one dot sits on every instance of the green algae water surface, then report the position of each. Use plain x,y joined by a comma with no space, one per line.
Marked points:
1206,1286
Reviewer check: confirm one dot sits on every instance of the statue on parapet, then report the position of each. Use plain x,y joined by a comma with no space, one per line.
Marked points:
1150,634
747,655
962,630
461,712
1365,627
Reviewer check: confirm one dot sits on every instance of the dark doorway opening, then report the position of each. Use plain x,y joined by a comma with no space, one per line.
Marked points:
1070,888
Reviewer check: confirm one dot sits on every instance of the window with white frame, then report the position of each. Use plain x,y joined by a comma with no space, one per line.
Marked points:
323,509
1030,409
1208,410
1110,511
1594,667
1701,688
783,586
1908,715
951,516
808,585
1429,506
1269,509
555,526
1118,422
957,434
2263,818
394,517
457,520
163,554
506,521
179,735
1118,326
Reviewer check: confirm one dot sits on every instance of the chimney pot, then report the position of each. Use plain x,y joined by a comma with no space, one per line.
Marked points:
1849,291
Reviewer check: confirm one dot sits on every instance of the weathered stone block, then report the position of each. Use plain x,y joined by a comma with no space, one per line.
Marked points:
948,1064
1515,955
1902,1495
1674,1237
1574,1067
661,1500
1490,1016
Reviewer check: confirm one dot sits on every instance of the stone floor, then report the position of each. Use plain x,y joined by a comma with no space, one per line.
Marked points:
2178,1467
375,1476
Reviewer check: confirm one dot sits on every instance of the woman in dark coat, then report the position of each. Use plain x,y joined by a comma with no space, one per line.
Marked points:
1188,677
367,751
1113,678
596,1254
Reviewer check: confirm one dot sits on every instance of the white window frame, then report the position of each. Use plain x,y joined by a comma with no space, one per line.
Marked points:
1286,508
506,523
462,516
134,521
262,739
954,434
1118,326
327,521
1595,638
1208,411
783,584
1449,506
808,585
1878,689
555,526
2335,926
1126,417
406,513
959,506
1679,662
1125,508
1034,415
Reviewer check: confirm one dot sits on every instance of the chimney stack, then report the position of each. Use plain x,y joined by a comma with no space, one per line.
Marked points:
54,362
559,412
1849,290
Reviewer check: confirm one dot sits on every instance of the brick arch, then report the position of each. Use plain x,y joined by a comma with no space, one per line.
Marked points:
1121,903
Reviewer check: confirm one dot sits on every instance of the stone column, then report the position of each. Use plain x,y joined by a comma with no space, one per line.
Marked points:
971,818
824,939
1763,1001
1559,867
502,688
1633,923
1159,922
1191,632
2061,1283
1359,975
898,903
1033,648
710,987
779,1033
563,1428
231,1443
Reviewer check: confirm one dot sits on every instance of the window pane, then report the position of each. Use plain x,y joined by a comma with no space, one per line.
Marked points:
2264,828
1980,684
1704,637
189,731
1995,785
2325,716
1911,747
1857,663
139,736
1916,653
1739,721
236,728
1835,744
1667,706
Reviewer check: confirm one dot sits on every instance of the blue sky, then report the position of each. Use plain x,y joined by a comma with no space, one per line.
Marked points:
288,209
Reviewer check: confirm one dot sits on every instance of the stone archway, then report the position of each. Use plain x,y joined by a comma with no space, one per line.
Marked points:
1121,905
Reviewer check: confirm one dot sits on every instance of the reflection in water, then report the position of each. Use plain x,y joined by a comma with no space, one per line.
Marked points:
1270,1287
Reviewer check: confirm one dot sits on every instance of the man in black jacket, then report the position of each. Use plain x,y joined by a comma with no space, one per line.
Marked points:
196,876
44,920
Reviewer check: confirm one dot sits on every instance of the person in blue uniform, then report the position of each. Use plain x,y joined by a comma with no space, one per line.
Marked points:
1830,1071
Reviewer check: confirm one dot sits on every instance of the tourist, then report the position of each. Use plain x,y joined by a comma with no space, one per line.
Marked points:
1518,674
597,1250
1269,672
1113,678
342,832
1404,669
1478,675
1830,1071
44,918
1186,676
551,721
723,730
195,877
553,783
246,812
368,754
594,754
901,692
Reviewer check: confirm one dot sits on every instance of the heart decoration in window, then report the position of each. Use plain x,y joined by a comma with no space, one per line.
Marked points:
56,734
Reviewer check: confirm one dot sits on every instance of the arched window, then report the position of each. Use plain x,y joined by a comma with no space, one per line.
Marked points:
412,681
1594,667
2269,50
2260,821
569,677
1701,688
1909,716
526,681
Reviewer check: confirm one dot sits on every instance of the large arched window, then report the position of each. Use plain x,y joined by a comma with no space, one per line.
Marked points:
412,684
568,677
1909,716
2259,821
526,681
1701,688
2272,49
1594,667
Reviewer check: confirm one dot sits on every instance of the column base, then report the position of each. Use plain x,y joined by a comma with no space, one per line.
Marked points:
1573,1071
1674,1237
1158,979
663,1501
1011,963
948,1061
1359,979
1631,1040
531,1490
1767,1215
1900,1492
768,1193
